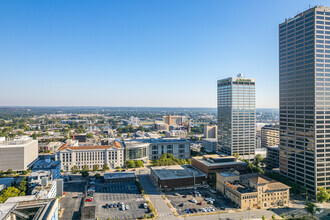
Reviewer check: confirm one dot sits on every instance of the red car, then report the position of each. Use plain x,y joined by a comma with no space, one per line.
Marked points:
89,200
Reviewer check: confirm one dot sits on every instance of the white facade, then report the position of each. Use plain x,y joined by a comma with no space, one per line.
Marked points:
209,144
211,131
179,148
112,155
18,154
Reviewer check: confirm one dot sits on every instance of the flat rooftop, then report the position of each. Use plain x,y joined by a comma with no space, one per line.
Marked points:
164,140
227,174
6,180
177,172
218,160
111,176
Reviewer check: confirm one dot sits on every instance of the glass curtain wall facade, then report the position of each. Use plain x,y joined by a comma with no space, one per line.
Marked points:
236,116
304,71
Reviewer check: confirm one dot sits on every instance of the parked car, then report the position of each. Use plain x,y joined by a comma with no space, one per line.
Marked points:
127,207
89,200
200,203
123,208
145,205
111,205
115,205
212,191
193,200
177,194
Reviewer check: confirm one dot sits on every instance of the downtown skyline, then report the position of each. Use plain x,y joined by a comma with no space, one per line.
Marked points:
153,54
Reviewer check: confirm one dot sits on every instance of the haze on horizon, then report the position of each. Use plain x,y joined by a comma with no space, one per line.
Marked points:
138,53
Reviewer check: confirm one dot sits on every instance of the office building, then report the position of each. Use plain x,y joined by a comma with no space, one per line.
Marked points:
18,154
174,120
211,131
304,72
213,163
47,164
176,176
136,150
270,136
210,145
237,116
273,157
252,190
81,156
179,148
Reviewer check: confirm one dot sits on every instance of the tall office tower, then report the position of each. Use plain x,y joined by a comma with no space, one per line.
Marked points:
237,116
304,71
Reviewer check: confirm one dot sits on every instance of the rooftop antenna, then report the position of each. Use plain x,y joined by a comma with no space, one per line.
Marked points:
240,75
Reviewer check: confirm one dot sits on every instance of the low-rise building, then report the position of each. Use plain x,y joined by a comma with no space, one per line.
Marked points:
179,148
136,150
47,164
29,207
161,127
252,190
210,145
177,176
273,157
119,177
213,163
18,154
80,156
176,133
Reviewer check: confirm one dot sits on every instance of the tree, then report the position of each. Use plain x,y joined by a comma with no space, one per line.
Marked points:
311,208
9,192
74,169
273,217
128,134
2,172
10,171
322,195
236,155
139,163
130,164
89,135
283,215
85,168
95,167
106,167
84,174
292,215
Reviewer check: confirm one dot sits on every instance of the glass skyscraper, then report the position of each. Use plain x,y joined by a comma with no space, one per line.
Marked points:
236,116
304,71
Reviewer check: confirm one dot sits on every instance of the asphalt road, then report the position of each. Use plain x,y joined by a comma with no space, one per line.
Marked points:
164,212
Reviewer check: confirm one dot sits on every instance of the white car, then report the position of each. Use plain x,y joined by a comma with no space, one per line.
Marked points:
177,194
193,200
145,205
203,210
122,207
127,207
212,191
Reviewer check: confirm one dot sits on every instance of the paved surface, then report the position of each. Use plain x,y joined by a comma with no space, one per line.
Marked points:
164,212
70,203
246,215
125,192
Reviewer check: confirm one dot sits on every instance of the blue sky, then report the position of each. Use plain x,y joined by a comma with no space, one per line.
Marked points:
138,53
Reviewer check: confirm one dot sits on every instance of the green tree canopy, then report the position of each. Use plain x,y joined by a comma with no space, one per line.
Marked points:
322,195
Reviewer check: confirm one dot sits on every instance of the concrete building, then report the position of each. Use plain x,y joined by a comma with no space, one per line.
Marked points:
29,207
261,151
273,157
176,176
174,120
112,155
6,182
80,137
211,131
304,71
161,127
18,154
253,190
179,148
119,177
176,134
270,136
47,164
210,145
237,116
211,164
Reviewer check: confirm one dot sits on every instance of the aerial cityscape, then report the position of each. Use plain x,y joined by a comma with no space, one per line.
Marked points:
97,122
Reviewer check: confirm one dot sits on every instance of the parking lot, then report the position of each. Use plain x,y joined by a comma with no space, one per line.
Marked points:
186,201
110,194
